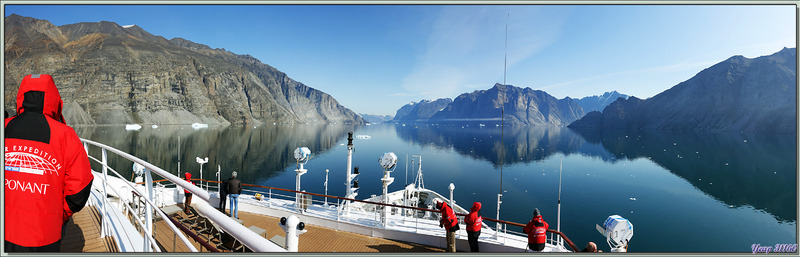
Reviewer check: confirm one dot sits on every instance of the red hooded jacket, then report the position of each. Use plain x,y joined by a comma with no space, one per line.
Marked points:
474,220
47,171
449,218
536,230
188,177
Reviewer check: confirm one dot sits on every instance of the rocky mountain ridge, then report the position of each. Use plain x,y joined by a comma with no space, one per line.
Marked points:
598,102
420,111
522,107
738,94
109,74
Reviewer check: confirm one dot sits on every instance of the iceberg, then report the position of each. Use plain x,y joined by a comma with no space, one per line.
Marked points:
133,127
199,125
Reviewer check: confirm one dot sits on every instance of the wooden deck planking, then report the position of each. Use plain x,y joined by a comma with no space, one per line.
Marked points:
321,239
82,233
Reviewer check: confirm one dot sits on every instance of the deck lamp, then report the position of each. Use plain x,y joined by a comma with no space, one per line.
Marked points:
302,155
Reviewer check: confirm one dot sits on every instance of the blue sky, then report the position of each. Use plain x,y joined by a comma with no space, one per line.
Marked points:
376,58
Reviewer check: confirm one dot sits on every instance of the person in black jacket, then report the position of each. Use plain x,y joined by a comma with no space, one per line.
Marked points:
223,195
234,189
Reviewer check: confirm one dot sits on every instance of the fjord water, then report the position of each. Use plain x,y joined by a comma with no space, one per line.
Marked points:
683,192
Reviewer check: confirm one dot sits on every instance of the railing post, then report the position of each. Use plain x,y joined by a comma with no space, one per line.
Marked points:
149,209
497,230
104,226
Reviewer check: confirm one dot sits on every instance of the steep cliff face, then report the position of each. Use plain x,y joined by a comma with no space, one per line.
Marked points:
109,74
422,111
738,94
522,107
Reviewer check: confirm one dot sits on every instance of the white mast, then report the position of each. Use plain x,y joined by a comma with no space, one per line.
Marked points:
502,126
558,221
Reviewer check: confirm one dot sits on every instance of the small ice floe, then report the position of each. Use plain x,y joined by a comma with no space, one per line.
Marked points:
199,125
154,126
363,137
133,127
632,198
674,143
726,164
745,140
730,206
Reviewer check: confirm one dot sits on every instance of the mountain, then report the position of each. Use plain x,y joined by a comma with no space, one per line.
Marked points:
522,107
375,119
422,111
738,94
597,103
109,74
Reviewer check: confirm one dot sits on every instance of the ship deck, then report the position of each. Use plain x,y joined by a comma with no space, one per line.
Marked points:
86,224
82,233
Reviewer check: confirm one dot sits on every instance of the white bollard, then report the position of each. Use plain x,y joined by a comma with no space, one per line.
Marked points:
293,228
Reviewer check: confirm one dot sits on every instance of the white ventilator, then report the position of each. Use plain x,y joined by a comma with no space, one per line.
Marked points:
618,232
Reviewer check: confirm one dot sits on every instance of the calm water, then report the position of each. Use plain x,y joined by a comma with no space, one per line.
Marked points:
693,192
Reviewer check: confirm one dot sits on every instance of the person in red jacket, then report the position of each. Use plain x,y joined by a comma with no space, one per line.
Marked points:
450,222
188,201
537,231
474,222
47,173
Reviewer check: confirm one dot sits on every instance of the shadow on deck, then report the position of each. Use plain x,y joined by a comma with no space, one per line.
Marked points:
82,234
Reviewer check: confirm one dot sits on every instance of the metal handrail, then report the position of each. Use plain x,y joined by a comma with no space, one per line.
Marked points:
559,233
247,237
147,231
163,215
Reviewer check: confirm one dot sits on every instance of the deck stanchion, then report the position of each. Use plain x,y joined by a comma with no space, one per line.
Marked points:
104,227
149,210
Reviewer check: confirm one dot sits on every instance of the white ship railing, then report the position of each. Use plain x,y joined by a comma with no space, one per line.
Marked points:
247,237
554,237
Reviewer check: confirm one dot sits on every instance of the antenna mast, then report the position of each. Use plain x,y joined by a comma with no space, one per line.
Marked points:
558,222
502,125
